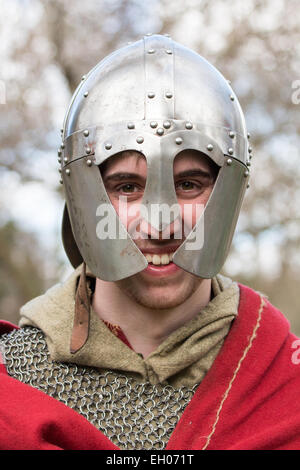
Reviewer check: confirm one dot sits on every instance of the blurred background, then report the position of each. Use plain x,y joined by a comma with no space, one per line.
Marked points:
45,48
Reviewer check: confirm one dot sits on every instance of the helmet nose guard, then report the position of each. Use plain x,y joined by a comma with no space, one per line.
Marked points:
158,98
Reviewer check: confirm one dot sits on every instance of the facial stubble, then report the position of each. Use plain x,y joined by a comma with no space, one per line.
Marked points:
160,293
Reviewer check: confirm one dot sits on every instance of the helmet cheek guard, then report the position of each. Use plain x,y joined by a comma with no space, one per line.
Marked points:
157,98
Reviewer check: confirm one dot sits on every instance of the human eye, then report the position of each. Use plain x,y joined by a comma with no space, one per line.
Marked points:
188,186
128,188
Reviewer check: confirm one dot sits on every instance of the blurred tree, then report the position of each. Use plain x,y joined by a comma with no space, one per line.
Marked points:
22,270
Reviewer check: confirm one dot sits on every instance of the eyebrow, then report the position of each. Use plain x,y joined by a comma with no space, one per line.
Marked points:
195,172
121,176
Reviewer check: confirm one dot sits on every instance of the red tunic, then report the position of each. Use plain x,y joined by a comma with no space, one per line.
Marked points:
249,399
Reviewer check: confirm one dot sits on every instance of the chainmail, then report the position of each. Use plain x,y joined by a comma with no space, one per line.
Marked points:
133,415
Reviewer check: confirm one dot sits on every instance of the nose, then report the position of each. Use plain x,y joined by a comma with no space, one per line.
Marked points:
168,231
160,216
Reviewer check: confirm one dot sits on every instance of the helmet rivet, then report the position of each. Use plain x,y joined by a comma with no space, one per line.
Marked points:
250,149
62,146
188,125
59,160
178,140
169,51
89,162
68,171
61,181
169,94
160,131
108,146
130,125
59,152
248,163
230,151
210,147
88,150
248,135
151,94
151,51
232,97
248,186
140,140
229,161
61,131
231,134
66,160
83,77
167,124
59,170
153,124
86,94
246,173
86,133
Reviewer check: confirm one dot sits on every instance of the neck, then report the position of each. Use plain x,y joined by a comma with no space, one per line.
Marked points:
146,328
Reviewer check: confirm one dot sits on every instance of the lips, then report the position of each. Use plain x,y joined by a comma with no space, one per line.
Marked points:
160,264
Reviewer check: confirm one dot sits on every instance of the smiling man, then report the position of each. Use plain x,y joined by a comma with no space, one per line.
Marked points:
151,304
146,345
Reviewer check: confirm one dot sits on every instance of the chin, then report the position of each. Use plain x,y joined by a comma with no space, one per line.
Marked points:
159,303
161,297
160,293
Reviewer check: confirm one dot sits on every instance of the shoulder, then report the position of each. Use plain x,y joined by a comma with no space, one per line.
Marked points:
7,327
257,378
17,347
266,330
257,308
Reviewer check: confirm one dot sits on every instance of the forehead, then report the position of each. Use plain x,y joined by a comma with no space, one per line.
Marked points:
132,161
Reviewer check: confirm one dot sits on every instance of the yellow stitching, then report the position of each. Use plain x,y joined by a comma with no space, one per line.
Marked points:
225,396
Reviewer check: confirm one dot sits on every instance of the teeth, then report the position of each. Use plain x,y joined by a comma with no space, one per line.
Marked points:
159,259
165,259
156,259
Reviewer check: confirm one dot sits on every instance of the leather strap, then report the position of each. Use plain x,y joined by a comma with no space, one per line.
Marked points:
80,332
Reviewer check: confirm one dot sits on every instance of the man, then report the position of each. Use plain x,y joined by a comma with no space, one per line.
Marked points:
146,346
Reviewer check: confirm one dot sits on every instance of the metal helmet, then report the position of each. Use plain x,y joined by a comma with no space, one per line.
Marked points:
156,97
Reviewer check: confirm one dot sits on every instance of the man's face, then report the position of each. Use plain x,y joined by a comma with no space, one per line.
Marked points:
162,284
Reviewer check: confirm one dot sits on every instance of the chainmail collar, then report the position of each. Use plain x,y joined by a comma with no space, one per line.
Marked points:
182,359
132,414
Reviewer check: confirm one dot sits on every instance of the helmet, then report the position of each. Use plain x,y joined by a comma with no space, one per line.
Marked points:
158,98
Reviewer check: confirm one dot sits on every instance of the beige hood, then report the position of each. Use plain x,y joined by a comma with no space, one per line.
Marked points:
182,359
